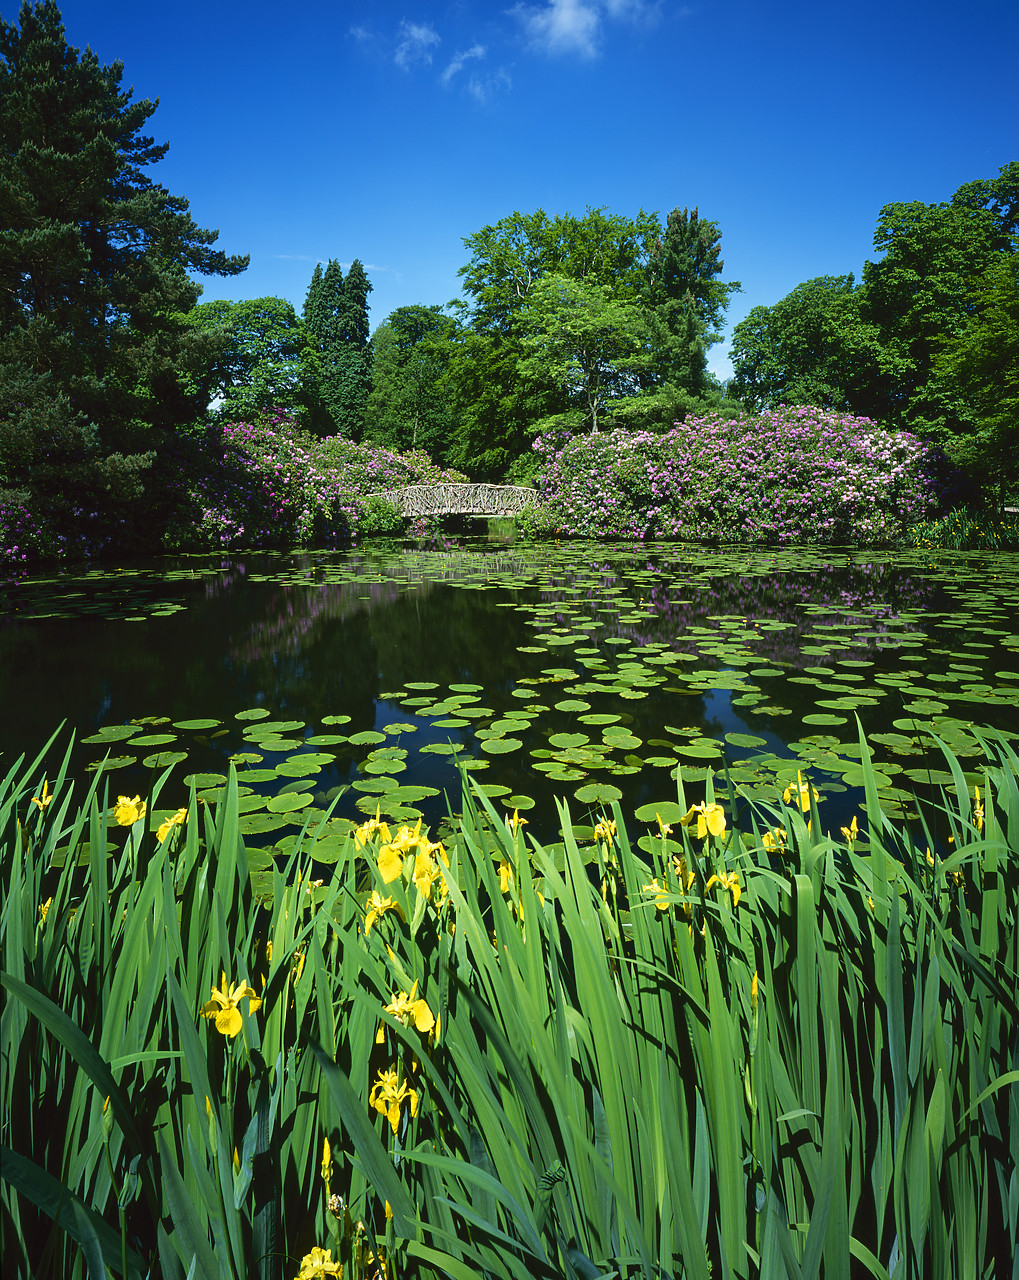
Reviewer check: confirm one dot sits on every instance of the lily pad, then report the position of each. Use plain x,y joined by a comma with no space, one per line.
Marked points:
501,746
598,793
289,802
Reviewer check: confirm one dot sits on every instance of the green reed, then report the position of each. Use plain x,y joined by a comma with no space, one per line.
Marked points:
704,1050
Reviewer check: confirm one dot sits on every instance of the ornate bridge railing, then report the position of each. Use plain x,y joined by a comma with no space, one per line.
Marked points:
417,500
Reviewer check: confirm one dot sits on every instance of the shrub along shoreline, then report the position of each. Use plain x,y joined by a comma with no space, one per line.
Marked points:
743,1044
794,475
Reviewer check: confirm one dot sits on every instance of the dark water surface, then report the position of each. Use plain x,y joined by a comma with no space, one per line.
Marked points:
583,671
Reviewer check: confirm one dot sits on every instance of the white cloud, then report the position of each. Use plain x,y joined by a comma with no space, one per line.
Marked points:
482,88
414,43
460,59
562,26
575,26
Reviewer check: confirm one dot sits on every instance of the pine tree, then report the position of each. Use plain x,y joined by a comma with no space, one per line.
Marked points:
688,299
94,256
97,364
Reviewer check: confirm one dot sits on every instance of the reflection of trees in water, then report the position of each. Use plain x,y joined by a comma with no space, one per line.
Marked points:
294,615
869,597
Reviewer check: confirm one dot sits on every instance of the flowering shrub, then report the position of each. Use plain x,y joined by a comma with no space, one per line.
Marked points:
270,484
23,538
794,474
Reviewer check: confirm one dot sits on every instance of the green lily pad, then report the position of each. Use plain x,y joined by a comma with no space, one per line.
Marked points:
745,740
368,737
335,720
598,793
501,746
253,713
251,824
112,762
289,802
203,780
154,740
194,725
163,759
112,733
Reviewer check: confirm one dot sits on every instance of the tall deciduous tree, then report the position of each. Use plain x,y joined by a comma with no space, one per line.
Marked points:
94,256
409,405
983,362
268,360
495,408
587,343
811,347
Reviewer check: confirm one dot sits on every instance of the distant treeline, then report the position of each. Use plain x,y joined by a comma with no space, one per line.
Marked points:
575,322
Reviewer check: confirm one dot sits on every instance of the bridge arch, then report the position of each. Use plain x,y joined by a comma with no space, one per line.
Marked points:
419,500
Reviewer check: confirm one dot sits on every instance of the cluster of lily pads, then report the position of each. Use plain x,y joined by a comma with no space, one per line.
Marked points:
618,670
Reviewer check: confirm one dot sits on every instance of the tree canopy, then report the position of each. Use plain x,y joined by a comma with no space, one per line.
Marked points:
409,405
336,313
95,256
898,345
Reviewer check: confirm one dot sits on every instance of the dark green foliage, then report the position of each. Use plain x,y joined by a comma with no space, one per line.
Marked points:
409,406
495,409
269,360
811,347
925,342
336,313
688,300
983,361
96,255
96,359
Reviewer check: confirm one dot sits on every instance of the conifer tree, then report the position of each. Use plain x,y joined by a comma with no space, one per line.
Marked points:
688,300
336,312
94,256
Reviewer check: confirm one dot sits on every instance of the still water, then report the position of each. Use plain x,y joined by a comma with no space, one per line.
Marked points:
584,672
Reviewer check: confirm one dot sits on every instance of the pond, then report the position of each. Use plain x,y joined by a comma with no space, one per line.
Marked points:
586,672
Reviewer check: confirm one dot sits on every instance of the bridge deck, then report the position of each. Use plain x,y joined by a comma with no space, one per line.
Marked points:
418,500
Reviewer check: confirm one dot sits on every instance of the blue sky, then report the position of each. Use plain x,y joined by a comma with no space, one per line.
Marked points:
390,131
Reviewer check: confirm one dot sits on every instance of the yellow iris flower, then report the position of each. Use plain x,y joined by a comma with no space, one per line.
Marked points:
318,1264
377,906
774,840
516,822
370,828
388,1096
661,897
177,820
978,809
224,1005
664,829
851,832
710,819
408,1009
605,830
802,792
43,800
728,880
128,811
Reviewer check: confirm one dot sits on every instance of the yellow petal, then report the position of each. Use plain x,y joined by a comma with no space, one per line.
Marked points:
424,1019
229,1021
390,863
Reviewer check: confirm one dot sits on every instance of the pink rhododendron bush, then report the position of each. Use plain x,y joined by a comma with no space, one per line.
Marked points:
270,484
795,474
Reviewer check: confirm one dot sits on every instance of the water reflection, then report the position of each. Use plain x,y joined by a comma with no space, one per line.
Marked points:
671,641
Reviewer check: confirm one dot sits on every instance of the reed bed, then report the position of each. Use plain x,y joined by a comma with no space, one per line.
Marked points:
733,1044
